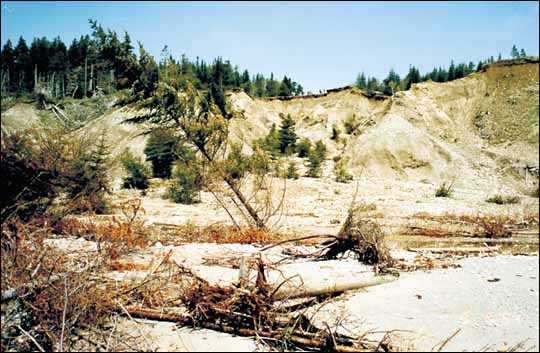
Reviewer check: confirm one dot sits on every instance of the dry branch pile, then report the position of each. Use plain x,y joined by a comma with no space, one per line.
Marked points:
49,295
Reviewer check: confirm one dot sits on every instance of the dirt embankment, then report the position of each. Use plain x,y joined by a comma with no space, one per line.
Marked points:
481,127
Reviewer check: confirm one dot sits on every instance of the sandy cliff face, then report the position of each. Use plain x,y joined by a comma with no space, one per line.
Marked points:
479,129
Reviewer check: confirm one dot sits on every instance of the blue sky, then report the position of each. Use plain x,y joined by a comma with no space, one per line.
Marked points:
321,45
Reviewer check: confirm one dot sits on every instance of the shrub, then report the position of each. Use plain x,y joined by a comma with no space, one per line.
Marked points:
269,143
187,182
315,158
321,150
502,200
335,133
287,135
160,150
445,189
351,124
137,172
260,162
86,180
278,167
38,166
314,164
27,184
292,171
237,163
303,147
342,176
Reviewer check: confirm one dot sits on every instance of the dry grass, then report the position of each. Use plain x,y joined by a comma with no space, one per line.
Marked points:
116,234
220,234
488,226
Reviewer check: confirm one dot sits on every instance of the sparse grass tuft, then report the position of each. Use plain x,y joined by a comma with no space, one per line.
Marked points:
446,189
503,200
342,176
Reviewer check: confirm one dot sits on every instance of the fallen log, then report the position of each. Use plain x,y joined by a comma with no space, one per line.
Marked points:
335,288
455,250
305,339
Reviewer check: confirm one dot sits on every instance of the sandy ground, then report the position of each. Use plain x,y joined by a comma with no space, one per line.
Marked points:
319,205
492,300
431,304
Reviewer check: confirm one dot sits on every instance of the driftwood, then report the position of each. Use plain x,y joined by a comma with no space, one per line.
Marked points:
475,250
337,288
304,339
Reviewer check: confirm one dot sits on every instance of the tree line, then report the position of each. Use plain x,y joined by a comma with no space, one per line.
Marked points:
393,82
102,63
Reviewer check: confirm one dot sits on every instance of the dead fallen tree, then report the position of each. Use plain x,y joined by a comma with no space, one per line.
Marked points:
252,310
300,339
458,250
335,288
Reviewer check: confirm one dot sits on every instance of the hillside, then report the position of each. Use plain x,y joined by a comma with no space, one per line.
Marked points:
481,130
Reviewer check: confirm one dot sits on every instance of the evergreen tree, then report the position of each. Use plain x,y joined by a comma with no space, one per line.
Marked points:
479,66
514,53
499,58
269,143
412,77
272,88
285,88
522,53
361,81
391,83
160,150
287,135
303,147
442,75
260,86
372,85
218,97
246,82
23,71
148,77
8,67
451,71
137,173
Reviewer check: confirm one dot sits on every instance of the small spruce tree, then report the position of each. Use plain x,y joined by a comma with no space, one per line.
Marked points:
160,151
287,135
137,172
303,147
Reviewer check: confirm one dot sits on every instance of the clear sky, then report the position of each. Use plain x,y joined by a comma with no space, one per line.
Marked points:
321,45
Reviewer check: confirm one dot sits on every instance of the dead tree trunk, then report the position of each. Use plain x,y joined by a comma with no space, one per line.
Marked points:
85,89
35,78
259,223
91,78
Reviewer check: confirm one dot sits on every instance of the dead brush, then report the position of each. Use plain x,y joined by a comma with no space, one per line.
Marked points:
45,293
115,236
488,226
493,227
252,311
224,234
362,237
